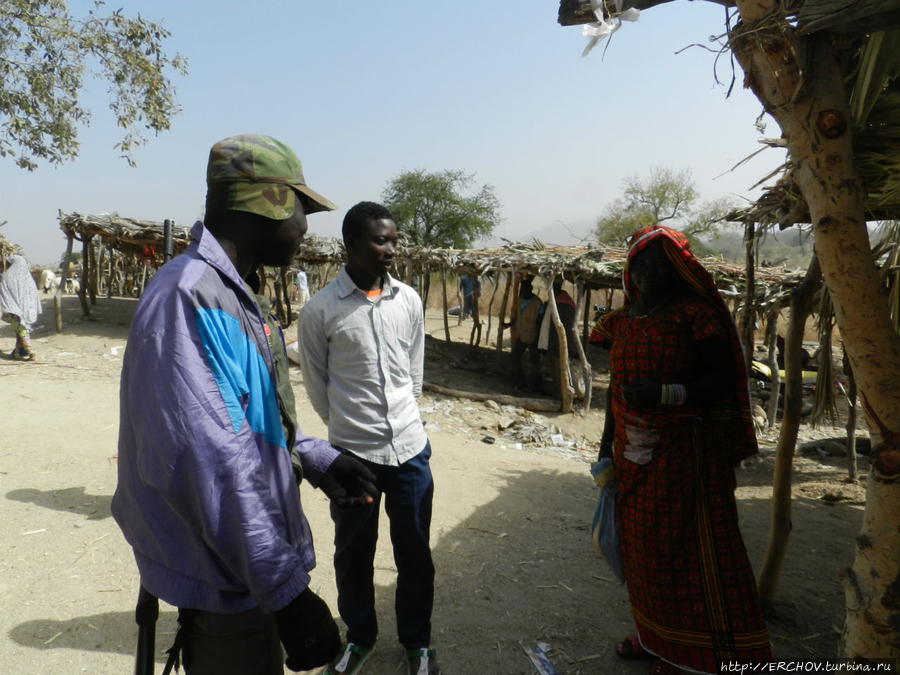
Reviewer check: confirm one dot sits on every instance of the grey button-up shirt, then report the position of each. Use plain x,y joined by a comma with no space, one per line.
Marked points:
362,366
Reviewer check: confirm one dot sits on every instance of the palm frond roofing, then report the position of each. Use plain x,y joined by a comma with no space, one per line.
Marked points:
595,265
128,235
6,247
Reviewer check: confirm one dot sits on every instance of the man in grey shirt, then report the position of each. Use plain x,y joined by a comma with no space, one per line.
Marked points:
362,343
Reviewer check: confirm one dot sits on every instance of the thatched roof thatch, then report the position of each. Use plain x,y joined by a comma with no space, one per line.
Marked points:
597,266
7,247
128,235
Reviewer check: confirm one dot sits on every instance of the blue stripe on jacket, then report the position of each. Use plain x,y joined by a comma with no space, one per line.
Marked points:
241,375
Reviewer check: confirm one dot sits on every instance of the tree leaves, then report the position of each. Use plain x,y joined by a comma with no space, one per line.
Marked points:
45,54
433,211
667,197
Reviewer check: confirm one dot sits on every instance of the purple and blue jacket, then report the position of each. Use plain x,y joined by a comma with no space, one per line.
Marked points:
206,495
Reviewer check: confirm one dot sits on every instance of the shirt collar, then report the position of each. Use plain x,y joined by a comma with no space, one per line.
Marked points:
211,251
346,286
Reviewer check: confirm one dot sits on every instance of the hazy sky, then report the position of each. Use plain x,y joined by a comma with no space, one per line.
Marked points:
363,91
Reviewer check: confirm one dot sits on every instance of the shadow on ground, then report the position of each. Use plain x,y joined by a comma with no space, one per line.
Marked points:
68,500
521,569
113,632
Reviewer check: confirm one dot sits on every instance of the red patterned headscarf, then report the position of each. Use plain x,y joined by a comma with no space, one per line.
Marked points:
678,251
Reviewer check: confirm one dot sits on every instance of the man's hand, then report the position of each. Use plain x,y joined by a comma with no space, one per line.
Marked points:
308,632
642,393
347,483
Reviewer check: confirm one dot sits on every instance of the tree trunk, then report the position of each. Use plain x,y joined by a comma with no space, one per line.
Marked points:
799,81
801,304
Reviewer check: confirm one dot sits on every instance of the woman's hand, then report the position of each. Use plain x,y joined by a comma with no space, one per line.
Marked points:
642,393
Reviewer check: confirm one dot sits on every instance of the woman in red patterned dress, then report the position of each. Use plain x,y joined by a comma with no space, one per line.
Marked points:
677,422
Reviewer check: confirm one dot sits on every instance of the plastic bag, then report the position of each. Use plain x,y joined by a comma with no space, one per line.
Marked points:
604,529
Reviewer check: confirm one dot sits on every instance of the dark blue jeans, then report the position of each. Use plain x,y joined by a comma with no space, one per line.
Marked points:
408,492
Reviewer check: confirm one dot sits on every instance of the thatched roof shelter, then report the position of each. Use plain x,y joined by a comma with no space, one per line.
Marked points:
596,266
128,235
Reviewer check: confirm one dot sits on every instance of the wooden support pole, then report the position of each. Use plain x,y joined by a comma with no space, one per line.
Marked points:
57,299
85,274
772,343
586,372
490,314
509,282
749,295
324,278
588,313
143,279
461,302
801,304
851,419
565,389
109,276
446,309
93,273
279,298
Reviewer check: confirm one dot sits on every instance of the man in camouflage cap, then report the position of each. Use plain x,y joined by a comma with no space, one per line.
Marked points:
210,453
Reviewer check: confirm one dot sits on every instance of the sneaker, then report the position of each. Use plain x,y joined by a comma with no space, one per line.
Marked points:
422,662
350,661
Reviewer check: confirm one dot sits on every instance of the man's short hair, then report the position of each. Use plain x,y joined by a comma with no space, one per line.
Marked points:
360,215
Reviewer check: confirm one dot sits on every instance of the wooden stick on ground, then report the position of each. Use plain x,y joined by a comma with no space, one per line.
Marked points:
540,404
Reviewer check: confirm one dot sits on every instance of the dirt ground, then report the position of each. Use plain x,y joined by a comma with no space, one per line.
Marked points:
510,535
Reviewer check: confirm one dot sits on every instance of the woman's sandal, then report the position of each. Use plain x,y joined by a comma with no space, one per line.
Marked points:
630,648
661,667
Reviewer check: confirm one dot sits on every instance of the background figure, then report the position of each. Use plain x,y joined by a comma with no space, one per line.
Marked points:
302,289
548,339
677,422
525,319
470,287
210,454
362,341
19,304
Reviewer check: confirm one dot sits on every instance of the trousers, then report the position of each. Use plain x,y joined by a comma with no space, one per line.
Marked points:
233,644
408,492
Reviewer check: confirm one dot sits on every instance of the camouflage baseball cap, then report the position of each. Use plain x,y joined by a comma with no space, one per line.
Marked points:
260,175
